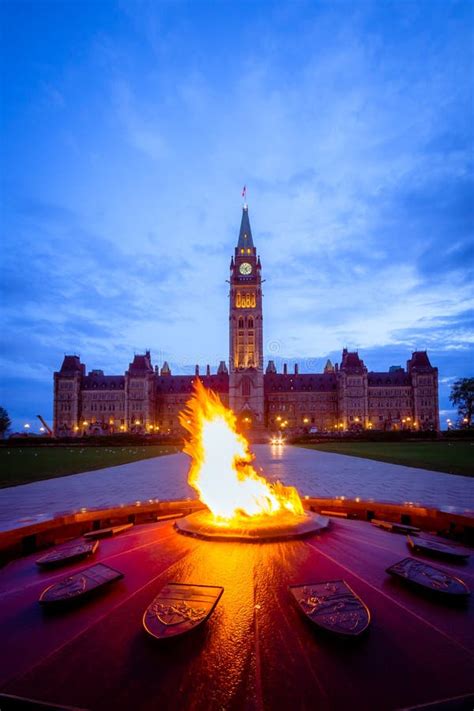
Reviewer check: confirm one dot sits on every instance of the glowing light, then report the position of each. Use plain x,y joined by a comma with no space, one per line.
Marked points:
221,468
26,426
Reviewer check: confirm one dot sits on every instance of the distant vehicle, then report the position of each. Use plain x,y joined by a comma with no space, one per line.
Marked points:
313,430
278,440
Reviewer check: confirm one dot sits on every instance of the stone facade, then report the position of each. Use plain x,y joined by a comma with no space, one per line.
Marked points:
343,397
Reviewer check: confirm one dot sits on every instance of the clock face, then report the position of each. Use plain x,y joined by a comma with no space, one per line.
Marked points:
245,268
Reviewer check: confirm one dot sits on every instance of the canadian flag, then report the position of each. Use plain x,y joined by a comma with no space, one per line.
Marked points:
244,191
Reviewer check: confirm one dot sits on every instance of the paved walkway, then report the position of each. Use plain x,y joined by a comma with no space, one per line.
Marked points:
312,472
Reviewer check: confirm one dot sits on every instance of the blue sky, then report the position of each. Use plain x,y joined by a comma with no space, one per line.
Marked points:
128,130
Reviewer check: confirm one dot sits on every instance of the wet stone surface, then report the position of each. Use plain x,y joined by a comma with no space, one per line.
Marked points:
313,473
257,650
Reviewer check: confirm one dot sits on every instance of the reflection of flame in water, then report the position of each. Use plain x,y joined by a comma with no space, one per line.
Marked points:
221,469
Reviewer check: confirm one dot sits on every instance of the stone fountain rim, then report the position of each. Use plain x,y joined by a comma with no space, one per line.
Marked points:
199,525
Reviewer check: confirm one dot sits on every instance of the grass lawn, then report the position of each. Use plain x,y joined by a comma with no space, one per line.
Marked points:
450,457
22,465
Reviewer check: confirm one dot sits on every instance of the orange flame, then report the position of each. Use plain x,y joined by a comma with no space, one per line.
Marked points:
221,469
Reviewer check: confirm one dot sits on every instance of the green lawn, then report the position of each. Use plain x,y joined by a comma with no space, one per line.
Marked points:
21,465
450,457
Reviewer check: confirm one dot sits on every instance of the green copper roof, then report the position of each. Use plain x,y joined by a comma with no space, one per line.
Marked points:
245,234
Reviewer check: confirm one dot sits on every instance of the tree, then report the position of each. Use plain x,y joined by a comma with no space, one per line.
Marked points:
462,395
5,421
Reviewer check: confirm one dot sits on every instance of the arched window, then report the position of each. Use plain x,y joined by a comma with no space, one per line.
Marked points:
241,322
238,300
246,387
250,322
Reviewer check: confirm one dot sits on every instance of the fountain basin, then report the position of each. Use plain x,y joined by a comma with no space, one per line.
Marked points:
257,529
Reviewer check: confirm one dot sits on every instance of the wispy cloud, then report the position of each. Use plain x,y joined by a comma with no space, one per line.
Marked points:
126,148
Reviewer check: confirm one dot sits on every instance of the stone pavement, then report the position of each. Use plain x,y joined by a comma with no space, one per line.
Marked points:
312,472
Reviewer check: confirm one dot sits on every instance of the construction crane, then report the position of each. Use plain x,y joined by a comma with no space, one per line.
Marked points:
47,427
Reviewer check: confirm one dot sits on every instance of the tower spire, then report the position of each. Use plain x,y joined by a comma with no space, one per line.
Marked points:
245,233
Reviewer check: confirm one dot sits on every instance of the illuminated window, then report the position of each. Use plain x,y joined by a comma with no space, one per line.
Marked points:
245,301
249,251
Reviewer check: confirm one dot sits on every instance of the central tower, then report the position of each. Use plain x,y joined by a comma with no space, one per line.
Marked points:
246,331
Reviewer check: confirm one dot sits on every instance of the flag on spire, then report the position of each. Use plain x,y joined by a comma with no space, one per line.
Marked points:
244,192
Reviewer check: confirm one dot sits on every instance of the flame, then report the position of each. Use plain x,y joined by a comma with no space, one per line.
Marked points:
221,470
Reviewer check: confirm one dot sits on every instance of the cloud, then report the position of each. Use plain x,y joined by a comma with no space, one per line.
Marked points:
125,161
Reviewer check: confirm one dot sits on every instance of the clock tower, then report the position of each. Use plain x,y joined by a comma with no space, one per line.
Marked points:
246,396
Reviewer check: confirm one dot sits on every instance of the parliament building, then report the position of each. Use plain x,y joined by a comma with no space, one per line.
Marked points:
345,396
